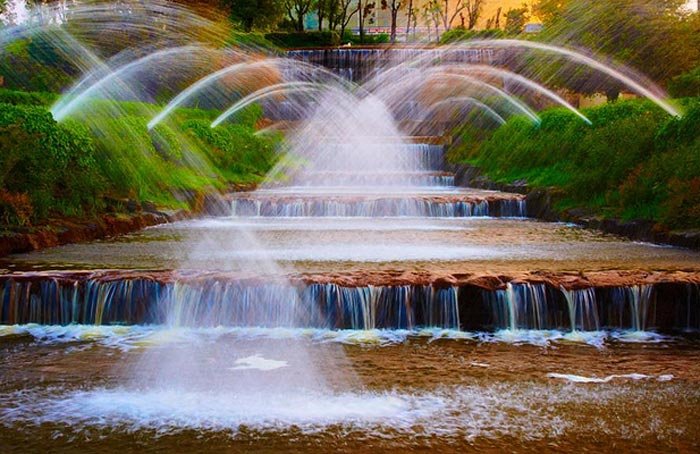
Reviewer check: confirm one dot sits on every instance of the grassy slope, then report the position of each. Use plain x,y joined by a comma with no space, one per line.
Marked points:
71,168
635,162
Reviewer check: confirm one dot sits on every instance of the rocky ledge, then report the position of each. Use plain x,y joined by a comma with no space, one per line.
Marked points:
484,281
125,216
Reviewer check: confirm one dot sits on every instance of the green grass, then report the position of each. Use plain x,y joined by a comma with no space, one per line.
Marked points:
69,168
634,162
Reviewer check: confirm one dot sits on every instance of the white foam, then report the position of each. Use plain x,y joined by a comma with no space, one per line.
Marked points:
145,336
257,362
469,412
638,336
581,379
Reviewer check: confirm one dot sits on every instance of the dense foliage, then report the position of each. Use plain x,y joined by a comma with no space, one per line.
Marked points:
686,85
15,97
44,165
69,169
634,162
304,39
649,35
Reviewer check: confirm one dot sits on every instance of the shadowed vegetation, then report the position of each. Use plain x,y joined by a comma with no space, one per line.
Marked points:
634,162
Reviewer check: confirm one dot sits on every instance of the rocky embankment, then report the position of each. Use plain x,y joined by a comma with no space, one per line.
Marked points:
541,204
122,217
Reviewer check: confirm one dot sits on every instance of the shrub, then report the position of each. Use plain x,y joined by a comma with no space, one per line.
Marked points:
304,39
252,40
65,168
54,164
380,38
634,160
685,85
36,64
15,209
235,149
26,98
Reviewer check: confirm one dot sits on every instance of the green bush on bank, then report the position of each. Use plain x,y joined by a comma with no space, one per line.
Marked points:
235,150
35,63
304,39
634,161
16,98
53,165
68,168
379,38
686,85
254,40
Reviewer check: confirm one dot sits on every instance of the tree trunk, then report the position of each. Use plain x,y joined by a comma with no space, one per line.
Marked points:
394,14
361,20
444,16
612,94
409,14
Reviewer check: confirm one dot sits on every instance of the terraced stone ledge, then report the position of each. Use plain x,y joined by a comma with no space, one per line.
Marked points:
664,302
486,281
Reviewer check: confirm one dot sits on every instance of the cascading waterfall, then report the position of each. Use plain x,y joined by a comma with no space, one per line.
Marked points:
230,303
358,64
376,179
216,301
230,336
303,207
526,306
583,309
536,306
632,307
690,310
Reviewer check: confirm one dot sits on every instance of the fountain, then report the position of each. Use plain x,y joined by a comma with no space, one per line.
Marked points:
362,299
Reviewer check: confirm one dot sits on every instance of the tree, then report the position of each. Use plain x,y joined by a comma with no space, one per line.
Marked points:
255,13
322,9
495,21
409,15
473,9
365,11
394,6
549,10
345,13
296,11
432,14
650,35
447,19
516,20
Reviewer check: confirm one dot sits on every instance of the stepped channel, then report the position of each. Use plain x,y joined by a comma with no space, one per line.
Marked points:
362,251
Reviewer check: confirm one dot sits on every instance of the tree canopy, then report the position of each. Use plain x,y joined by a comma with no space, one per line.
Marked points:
652,36
261,14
